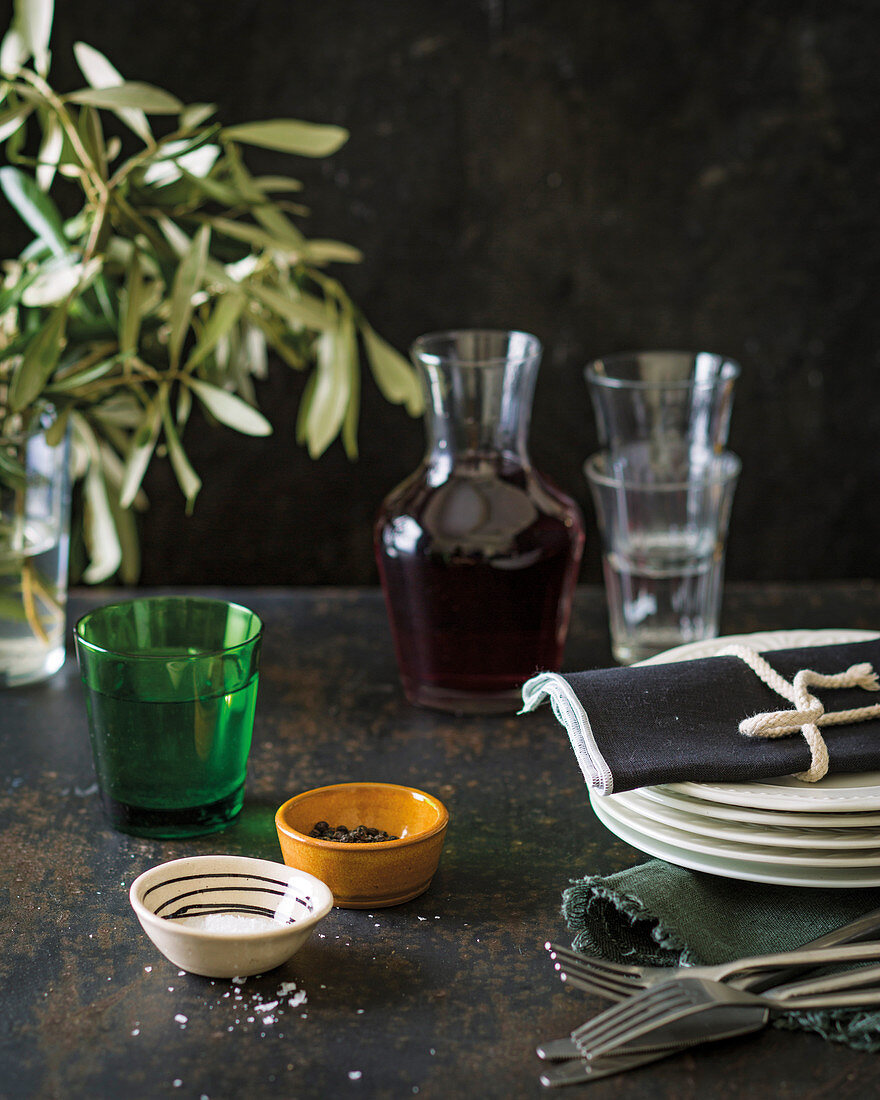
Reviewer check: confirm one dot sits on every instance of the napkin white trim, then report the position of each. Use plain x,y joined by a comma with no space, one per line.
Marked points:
572,716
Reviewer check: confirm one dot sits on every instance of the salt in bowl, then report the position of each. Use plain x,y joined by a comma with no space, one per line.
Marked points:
224,916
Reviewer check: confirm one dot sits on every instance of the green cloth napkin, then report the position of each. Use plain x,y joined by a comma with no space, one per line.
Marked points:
662,915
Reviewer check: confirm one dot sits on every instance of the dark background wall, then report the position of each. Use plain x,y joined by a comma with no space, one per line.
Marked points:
607,175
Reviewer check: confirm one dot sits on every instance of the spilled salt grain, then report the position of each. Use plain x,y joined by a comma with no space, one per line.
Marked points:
180,1018
354,1075
299,998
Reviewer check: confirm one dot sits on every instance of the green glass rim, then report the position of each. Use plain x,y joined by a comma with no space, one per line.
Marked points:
139,655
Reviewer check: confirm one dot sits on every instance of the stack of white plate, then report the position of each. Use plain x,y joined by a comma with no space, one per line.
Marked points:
824,834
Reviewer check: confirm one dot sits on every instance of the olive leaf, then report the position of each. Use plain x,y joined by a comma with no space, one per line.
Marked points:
195,114
13,120
14,52
394,376
58,278
277,183
80,379
259,238
39,360
12,471
133,94
129,541
131,305
225,314
33,22
34,208
302,311
189,481
101,74
332,390
99,530
142,447
323,252
308,139
352,414
186,282
229,409
50,152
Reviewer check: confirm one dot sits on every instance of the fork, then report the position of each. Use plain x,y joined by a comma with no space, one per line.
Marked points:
640,977
685,1013
683,998
758,973
860,929
618,980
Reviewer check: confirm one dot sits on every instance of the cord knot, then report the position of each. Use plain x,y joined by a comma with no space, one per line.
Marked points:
809,713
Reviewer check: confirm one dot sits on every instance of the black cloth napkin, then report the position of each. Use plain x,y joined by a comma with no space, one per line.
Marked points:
668,723
659,915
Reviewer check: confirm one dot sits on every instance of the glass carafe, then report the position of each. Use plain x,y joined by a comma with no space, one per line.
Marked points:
478,554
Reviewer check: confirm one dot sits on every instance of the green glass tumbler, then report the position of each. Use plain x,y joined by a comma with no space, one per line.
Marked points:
171,691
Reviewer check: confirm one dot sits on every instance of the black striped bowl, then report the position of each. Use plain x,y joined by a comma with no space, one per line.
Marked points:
228,916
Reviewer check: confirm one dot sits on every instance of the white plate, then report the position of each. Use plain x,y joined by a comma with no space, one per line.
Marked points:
702,844
834,793
717,810
774,836
780,874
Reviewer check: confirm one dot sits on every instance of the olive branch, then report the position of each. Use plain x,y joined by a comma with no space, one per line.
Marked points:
173,279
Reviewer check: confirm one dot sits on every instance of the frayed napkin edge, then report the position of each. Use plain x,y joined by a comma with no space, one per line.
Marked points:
858,1029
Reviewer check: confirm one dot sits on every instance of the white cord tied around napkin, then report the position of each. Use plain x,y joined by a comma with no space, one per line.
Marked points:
809,713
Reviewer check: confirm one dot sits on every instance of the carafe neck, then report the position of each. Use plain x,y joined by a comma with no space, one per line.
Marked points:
479,389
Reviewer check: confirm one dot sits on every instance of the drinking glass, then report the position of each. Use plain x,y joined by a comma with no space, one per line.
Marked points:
663,541
677,402
171,690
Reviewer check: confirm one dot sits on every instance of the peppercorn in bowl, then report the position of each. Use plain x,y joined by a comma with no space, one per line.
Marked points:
374,844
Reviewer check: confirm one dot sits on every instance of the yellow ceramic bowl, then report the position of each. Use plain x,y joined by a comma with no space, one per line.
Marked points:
366,876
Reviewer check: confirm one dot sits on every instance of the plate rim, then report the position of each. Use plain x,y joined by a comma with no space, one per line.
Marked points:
747,852
847,878
750,833
701,807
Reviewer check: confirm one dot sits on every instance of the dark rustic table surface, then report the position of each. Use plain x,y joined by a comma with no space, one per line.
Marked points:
445,996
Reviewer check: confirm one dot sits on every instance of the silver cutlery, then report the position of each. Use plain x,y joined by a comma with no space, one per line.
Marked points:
631,978
684,998
669,1040
684,1013
593,976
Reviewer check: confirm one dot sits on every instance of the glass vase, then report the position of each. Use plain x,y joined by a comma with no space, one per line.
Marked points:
34,539
478,553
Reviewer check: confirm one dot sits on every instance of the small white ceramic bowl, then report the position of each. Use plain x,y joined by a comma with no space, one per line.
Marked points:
228,916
